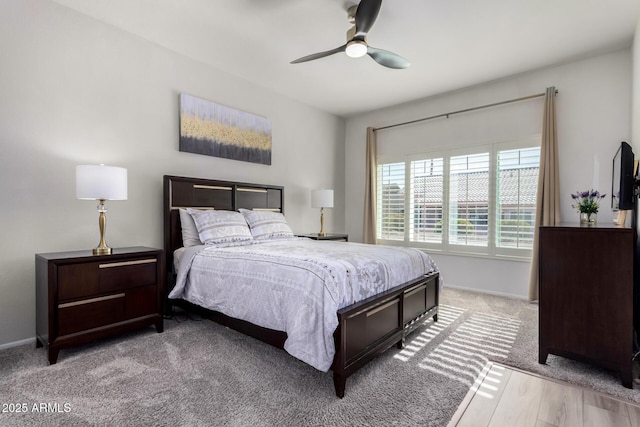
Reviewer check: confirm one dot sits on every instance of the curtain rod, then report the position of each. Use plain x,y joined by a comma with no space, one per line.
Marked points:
466,110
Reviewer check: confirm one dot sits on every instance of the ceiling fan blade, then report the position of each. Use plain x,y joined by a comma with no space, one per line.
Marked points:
319,55
388,59
366,15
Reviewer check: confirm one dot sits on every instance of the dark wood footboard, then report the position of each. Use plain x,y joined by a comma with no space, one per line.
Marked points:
372,326
365,329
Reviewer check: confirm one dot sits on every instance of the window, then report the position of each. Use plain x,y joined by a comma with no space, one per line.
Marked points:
516,198
469,200
477,200
390,200
426,193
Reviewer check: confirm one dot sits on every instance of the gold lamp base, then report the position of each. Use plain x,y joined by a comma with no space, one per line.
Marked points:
102,248
102,251
322,233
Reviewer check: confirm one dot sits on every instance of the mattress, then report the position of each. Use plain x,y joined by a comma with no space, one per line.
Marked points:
294,285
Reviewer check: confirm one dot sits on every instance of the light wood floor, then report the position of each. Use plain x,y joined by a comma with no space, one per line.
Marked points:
507,397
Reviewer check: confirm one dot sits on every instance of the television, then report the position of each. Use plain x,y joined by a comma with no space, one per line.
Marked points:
622,197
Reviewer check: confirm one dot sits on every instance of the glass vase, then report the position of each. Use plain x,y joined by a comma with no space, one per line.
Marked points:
588,219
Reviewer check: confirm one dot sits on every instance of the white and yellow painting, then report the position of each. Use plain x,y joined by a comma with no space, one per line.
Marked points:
216,130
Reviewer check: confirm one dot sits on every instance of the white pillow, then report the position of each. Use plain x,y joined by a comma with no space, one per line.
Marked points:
266,224
190,235
220,226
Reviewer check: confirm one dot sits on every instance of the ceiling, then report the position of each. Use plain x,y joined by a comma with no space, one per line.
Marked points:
451,43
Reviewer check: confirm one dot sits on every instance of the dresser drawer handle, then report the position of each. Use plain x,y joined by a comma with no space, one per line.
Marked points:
89,301
124,263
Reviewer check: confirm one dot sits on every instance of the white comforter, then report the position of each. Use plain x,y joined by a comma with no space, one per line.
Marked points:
294,285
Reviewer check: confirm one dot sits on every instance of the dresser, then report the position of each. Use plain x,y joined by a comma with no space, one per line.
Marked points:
586,296
81,297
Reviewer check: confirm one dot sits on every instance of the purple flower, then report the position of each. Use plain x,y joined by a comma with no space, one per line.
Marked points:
587,201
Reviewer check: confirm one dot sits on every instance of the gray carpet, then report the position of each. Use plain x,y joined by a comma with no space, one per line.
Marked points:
199,373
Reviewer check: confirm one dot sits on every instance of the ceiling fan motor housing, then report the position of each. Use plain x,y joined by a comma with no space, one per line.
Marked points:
351,14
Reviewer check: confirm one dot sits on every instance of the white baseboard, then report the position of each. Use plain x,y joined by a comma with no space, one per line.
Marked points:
483,291
18,343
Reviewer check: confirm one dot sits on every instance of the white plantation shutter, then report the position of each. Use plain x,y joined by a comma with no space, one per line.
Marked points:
469,200
516,197
475,200
426,200
390,201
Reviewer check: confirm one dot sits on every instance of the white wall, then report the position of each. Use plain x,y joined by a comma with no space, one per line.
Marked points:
76,91
593,113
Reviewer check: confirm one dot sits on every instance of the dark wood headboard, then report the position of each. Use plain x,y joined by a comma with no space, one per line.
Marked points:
198,193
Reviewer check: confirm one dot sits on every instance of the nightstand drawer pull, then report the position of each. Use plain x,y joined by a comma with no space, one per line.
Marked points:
212,187
252,190
200,208
124,263
89,301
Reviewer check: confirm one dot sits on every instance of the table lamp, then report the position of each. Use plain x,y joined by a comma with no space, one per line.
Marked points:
100,182
322,199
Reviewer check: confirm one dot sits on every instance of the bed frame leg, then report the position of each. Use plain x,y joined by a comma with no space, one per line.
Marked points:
435,317
400,344
339,382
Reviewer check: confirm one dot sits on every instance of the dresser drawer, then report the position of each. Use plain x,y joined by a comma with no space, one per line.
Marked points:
95,278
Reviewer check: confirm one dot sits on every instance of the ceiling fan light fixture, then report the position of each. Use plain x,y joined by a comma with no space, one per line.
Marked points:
362,16
356,48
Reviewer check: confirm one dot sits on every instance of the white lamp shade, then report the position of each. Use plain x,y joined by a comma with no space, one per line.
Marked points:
95,182
322,199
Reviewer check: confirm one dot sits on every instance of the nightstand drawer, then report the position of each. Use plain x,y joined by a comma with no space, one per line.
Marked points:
95,278
86,314
114,276
77,281
93,312
141,301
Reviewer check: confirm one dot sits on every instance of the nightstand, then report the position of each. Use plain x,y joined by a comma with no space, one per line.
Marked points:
81,297
327,236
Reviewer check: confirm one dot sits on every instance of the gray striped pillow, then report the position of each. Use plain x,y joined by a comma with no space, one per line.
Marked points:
220,226
266,224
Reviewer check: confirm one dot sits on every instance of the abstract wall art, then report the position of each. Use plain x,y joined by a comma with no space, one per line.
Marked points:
216,130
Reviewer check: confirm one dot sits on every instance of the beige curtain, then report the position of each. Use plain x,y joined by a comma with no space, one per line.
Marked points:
548,196
370,189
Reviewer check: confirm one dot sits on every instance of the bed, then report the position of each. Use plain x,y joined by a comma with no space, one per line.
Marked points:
354,325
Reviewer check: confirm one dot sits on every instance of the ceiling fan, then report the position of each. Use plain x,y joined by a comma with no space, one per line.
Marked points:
363,16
